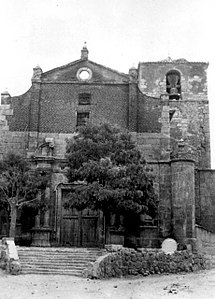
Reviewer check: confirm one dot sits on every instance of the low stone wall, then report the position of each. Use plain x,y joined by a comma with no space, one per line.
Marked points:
144,262
205,241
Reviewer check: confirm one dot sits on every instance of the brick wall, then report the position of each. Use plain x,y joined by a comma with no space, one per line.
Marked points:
59,105
149,113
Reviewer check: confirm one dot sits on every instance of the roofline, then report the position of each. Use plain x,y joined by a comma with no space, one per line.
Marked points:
173,62
62,66
110,69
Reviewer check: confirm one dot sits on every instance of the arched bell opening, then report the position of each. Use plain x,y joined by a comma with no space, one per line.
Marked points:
173,85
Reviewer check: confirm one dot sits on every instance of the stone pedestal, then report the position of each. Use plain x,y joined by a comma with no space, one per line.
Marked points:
149,237
116,236
41,237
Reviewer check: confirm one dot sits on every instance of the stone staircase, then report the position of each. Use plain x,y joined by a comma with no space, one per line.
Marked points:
64,261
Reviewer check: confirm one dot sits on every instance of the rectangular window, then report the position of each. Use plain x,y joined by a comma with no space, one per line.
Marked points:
82,118
84,99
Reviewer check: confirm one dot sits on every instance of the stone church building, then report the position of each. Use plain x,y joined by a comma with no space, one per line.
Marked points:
164,105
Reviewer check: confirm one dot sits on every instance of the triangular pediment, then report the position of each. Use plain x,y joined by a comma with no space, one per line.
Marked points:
84,71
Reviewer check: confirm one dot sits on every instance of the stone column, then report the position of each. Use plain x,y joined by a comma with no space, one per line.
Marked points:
58,212
37,220
46,219
37,217
183,200
47,212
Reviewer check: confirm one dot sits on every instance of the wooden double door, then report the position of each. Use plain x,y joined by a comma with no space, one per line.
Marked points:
80,228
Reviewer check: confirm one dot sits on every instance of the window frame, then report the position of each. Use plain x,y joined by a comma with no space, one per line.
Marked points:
84,98
87,118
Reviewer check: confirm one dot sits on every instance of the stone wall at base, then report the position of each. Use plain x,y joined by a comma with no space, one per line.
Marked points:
144,262
205,241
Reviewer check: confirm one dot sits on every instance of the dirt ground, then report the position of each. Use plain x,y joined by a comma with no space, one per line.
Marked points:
199,285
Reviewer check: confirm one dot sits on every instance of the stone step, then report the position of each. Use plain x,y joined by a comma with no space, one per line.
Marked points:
58,258
61,256
52,271
55,264
59,249
51,267
58,255
62,261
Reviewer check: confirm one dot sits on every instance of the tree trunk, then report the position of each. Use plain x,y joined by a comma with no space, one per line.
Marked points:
13,217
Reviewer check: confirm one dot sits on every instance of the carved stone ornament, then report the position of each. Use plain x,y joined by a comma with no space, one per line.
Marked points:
15,267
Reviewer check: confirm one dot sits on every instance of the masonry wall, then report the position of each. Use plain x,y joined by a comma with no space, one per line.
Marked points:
189,116
205,241
19,119
183,200
59,105
190,123
152,78
149,114
15,141
162,172
50,107
153,137
205,198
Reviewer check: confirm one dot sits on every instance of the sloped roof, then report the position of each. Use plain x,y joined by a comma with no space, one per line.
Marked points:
69,71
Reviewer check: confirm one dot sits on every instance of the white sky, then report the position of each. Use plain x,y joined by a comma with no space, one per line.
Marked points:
119,34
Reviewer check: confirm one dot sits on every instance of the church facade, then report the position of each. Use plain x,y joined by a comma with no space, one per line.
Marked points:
163,104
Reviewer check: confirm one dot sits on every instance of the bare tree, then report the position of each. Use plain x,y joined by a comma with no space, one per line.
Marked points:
19,186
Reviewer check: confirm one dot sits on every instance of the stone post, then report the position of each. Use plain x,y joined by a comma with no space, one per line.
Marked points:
183,200
5,98
84,52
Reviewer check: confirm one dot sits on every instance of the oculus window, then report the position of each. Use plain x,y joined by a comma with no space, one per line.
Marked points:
84,74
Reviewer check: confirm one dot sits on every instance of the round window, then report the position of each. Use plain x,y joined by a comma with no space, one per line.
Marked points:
84,74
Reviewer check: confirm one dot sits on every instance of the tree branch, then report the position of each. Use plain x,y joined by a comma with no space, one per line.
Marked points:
22,203
5,193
